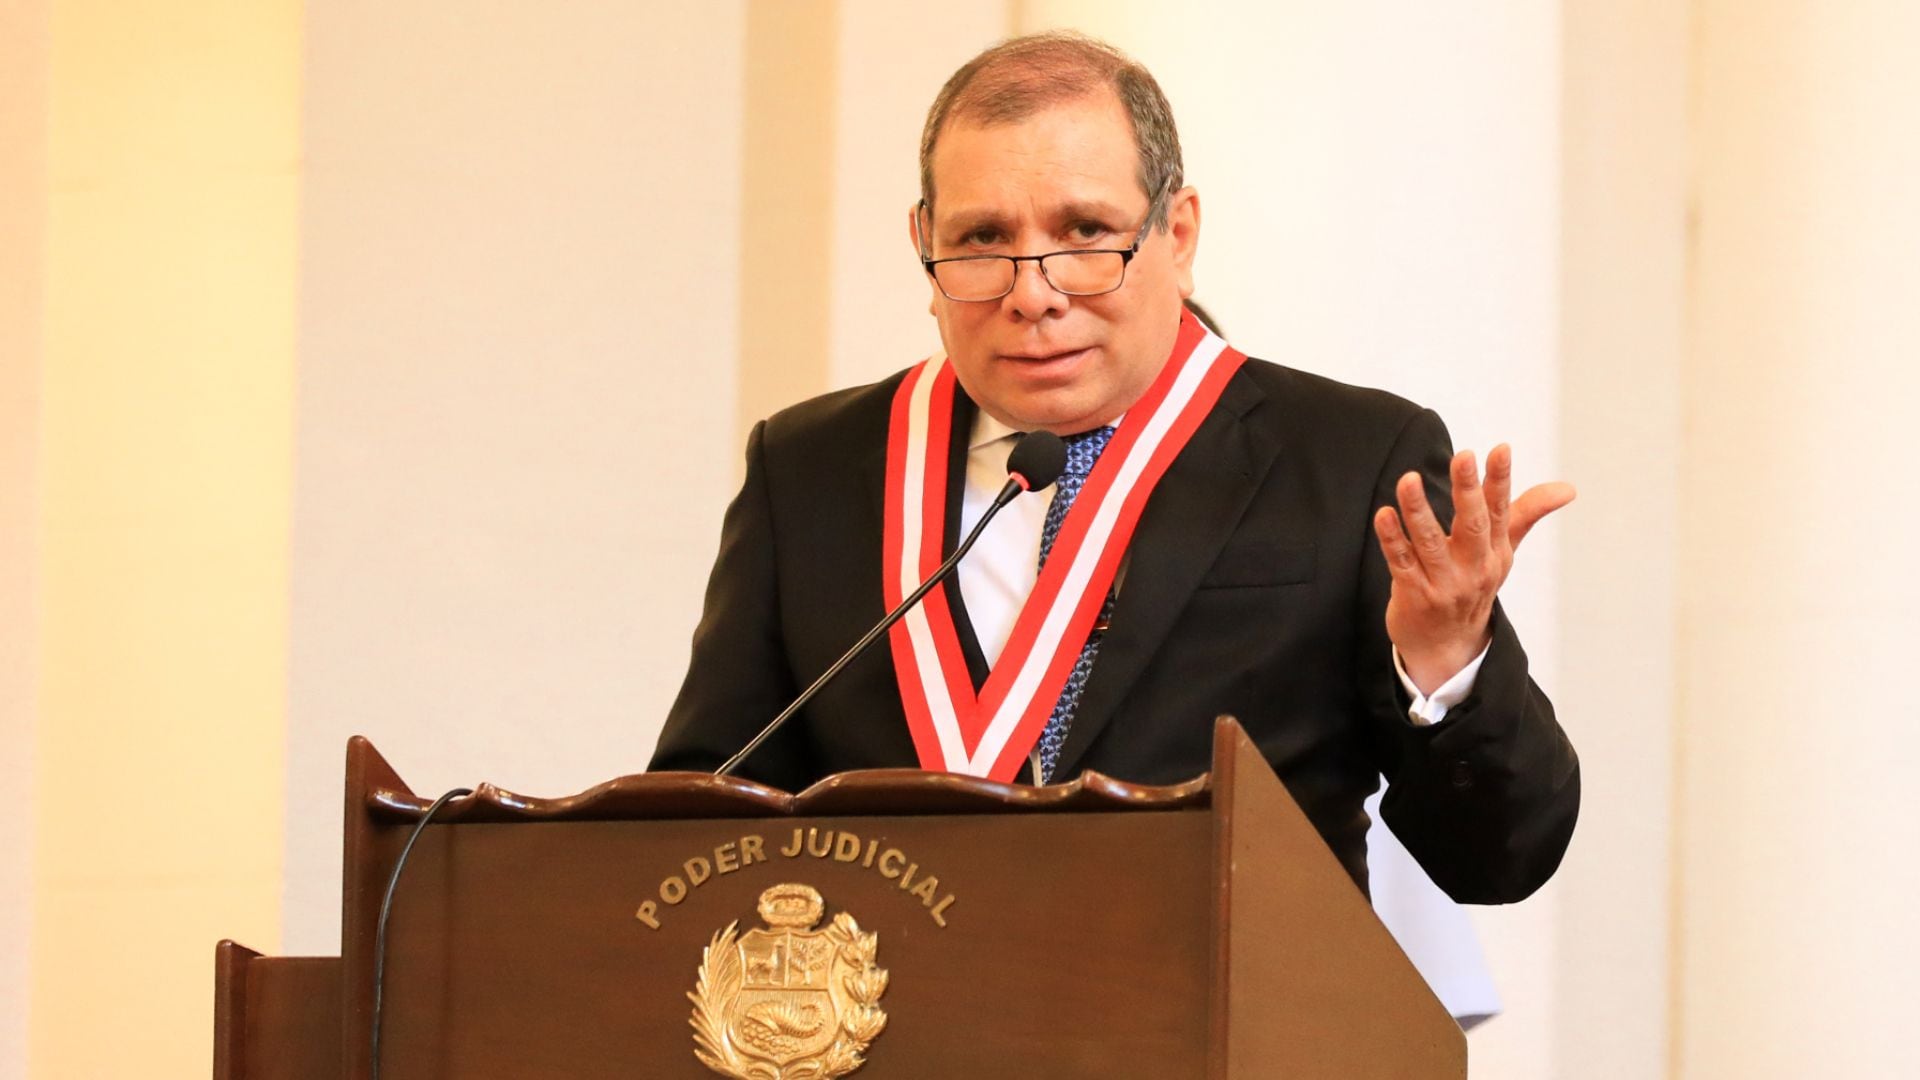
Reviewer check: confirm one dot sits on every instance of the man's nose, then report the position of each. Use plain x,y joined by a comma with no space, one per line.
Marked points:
1033,296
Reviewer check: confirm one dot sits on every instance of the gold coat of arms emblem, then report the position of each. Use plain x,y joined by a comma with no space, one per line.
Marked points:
788,1002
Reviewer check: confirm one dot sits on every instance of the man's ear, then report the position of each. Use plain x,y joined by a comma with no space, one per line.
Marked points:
913,228
1183,226
916,223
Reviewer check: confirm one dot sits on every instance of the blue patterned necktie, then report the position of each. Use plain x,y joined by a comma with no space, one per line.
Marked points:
1082,451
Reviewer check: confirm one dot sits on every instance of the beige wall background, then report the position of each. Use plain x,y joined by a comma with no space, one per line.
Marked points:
524,258
1798,603
148,468
1623,262
518,312
23,207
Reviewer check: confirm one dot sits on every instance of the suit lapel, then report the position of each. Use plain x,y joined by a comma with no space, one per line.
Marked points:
1192,512
957,448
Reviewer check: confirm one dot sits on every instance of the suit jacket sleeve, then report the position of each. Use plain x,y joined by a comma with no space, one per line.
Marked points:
1486,799
739,677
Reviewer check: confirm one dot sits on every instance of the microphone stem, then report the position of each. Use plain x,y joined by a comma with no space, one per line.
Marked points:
1006,495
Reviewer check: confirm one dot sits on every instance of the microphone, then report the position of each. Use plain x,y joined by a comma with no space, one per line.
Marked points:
1037,461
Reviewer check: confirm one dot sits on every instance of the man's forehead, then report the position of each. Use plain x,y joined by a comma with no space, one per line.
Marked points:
1077,156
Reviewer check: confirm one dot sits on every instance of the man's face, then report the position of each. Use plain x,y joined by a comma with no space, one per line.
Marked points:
1064,178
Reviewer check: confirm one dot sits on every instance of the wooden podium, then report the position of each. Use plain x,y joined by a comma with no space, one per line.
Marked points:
1096,929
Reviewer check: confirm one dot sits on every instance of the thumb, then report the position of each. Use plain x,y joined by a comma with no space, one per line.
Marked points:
1538,501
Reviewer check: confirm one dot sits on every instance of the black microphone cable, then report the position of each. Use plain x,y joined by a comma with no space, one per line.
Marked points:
386,909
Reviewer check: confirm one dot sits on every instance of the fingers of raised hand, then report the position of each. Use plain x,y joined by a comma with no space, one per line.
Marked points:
1471,514
1423,528
1499,487
1401,561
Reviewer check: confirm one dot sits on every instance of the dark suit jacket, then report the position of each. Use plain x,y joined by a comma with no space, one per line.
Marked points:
1254,587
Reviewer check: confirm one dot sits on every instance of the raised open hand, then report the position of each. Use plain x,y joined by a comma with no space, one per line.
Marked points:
1444,585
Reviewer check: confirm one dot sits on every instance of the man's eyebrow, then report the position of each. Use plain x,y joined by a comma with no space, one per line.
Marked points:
1090,209
969,219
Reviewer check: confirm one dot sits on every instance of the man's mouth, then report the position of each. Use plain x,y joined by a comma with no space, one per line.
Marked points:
1058,358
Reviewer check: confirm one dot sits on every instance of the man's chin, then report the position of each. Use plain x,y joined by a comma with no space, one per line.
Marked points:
1058,413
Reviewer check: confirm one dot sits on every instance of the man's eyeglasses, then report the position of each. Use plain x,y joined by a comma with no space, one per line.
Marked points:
1084,272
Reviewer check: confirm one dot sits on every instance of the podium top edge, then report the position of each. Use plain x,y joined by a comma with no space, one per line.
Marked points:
872,792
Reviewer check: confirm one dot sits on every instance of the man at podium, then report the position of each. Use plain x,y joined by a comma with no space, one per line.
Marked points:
1228,536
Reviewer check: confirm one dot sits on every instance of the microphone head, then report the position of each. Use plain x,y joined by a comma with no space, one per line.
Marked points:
1037,459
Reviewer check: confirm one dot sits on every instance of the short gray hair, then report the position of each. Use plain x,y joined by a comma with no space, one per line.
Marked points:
1020,76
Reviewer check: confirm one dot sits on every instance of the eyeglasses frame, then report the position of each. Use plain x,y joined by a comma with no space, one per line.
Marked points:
1126,257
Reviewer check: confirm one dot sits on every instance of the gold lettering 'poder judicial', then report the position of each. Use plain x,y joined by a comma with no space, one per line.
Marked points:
835,845
788,1002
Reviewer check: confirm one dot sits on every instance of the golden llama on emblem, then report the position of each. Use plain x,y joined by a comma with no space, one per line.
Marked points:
788,1002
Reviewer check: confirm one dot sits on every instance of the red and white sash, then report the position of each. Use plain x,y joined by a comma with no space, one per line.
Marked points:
991,733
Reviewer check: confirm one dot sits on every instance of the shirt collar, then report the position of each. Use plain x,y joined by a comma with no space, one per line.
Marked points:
987,430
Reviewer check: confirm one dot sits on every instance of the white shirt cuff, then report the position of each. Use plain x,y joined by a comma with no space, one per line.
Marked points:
1431,710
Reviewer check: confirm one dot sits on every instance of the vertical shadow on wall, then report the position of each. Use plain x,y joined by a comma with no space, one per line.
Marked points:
786,205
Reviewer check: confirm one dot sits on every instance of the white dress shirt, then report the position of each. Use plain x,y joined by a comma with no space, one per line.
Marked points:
999,572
